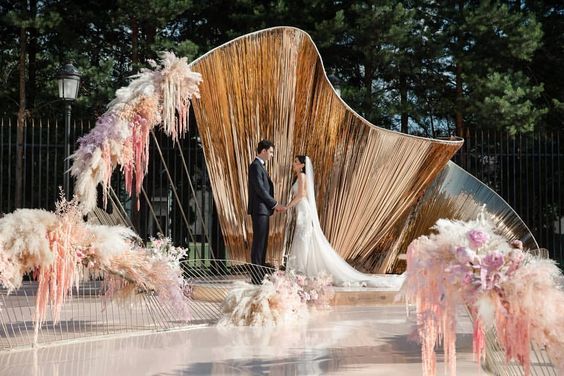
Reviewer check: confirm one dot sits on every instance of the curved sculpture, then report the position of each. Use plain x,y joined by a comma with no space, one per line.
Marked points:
455,194
272,84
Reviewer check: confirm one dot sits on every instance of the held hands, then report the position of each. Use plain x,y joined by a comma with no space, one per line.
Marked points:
280,208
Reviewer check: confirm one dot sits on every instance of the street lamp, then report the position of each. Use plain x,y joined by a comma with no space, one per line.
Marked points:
69,82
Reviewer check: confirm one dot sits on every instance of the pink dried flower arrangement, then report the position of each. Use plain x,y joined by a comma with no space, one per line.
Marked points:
59,248
466,262
121,134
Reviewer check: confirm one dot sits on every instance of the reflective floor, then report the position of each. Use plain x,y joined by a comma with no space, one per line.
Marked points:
344,341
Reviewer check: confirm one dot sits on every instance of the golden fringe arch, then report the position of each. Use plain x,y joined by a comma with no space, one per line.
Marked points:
371,183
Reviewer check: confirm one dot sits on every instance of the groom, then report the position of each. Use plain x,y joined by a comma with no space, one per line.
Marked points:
261,202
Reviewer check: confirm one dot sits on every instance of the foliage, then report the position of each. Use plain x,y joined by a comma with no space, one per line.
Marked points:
409,65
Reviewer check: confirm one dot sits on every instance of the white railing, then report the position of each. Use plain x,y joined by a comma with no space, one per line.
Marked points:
89,314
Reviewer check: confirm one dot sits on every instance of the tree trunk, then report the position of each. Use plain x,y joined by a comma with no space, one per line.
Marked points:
459,120
32,58
432,126
21,121
366,81
403,103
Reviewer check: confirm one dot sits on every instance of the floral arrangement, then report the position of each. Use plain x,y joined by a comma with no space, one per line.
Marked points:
60,249
283,297
47,245
504,288
161,248
317,291
121,134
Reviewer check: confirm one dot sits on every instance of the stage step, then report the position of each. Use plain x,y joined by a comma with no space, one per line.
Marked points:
344,296
365,297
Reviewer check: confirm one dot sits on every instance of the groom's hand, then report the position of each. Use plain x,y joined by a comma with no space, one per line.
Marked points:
280,208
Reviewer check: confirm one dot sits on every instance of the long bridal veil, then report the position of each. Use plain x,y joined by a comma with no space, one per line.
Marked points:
311,192
314,254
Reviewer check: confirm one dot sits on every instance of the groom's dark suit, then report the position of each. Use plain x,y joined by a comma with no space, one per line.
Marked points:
261,207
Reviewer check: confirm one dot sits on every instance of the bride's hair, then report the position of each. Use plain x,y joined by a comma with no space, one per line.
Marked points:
302,159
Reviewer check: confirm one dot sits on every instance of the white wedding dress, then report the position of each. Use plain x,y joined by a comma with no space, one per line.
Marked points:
311,253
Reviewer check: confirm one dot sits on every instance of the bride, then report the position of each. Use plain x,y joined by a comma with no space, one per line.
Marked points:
310,252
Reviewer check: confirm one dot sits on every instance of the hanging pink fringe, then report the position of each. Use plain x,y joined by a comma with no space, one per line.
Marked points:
479,341
54,246
121,135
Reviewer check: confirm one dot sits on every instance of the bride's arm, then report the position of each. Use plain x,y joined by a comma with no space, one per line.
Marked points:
301,193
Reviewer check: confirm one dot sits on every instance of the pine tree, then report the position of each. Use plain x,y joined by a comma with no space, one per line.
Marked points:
490,44
548,60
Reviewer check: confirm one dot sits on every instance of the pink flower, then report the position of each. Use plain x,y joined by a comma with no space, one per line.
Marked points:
515,255
493,260
517,244
468,278
515,258
464,255
79,254
478,238
313,295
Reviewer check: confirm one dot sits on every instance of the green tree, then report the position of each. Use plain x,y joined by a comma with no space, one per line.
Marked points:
490,45
548,60
413,65
28,19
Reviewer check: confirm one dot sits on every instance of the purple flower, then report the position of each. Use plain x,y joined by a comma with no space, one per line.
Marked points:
478,238
468,278
464,255
493,260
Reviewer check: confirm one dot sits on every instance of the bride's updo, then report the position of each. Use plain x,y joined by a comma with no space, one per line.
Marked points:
302,159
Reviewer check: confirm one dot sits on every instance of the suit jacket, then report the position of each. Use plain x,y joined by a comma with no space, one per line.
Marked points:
261,190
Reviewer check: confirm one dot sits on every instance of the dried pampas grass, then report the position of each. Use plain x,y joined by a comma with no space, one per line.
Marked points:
60,249
121,134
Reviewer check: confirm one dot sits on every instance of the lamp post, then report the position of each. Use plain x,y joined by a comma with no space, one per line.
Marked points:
69,82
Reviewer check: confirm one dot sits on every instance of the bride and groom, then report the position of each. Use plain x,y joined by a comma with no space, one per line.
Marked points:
310,252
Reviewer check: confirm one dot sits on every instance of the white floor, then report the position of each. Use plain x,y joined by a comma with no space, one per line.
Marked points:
344,341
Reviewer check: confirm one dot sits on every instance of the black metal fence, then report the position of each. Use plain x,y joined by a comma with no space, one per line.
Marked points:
526,170
184,212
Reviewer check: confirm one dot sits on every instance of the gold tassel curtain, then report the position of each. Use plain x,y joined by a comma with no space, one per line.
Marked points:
271,84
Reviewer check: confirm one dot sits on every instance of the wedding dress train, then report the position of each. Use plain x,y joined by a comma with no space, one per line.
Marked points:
311,253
